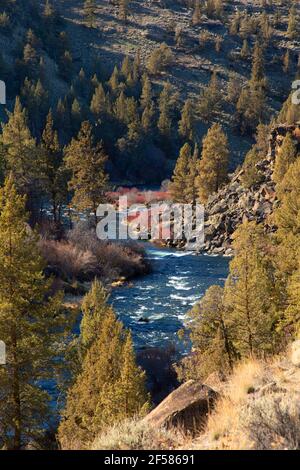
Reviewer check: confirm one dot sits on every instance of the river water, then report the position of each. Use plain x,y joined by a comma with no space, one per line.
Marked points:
155,306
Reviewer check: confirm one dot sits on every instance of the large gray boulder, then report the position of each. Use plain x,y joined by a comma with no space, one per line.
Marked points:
187,407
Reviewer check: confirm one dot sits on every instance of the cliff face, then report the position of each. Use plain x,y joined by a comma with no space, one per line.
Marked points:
234,203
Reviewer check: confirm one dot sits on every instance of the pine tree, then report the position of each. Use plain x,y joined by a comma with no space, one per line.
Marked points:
54,173
248,293
131,396
284,158
210,100
123,10
245,50
160,59
146,95
21,154
286,62
30,326
114,80
94,309
180,176
76,115
99,102
213,166
86,162
166,103
250,108
210,333
148,118
89,11
109,380
191,193
258,66
292,312
287,219
196,19
186,126
293,25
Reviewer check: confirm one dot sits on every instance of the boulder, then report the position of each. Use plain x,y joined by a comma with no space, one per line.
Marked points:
187,407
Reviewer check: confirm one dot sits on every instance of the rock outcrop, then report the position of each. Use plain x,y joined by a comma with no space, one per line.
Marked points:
227,209
187,407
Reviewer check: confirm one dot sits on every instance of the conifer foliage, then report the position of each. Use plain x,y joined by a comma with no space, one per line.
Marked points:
31,325
110,386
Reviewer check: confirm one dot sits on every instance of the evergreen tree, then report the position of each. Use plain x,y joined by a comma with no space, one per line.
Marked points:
293,25
292,312
287,219
99,102
114,80
284,158
30,326
213,166
166,104
180,176
210,333
94,309
21,154
250,108
248,293
109,388
258,66
86,162
89,11
123,10
146,95
196,19
210,99
186,127
53,170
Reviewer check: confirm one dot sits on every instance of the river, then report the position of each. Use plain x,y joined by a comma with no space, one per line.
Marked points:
155,306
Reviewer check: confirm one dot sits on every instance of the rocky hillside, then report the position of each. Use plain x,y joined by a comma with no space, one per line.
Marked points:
234,203
257,407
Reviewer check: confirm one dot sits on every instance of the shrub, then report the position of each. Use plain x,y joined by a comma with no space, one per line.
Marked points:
273,422
136,435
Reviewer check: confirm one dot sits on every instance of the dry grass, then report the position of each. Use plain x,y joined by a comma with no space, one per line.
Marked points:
259,410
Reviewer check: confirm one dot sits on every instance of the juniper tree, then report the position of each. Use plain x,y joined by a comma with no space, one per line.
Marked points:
99,102
213,166
20,151
211,335
166,105
248,293
286,155
293,24
89,11
196,19
32,325
210,98
94,308
287,219
186,125
109,389
54,173
258,66
123,10
180,176
86,162
292,312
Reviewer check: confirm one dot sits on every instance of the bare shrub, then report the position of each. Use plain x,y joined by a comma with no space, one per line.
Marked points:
68,260
273,422
114,259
